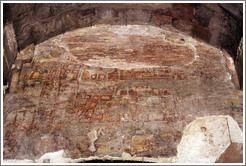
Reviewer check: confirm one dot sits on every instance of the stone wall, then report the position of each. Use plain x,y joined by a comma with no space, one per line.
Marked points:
214,23
10,50
218,24
239,63
125,92
144,82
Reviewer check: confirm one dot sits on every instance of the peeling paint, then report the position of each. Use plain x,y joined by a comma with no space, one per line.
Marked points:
203,141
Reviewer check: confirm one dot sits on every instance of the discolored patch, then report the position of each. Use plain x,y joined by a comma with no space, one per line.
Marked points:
127,47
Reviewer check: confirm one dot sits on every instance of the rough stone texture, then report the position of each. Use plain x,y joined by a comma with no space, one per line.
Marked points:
116,48
218,24
210,143
6,69
26,54
16,69
231,69
202,15
10,49
123,91
239,63
7,13
44,20
234,154
234,9
205,142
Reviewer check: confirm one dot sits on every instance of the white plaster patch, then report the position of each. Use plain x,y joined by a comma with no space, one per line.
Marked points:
107,62
227,77
230,63
137,30
17,161
236,133
54,157
5,87
205,139
57,157
168,36
197,144
93,137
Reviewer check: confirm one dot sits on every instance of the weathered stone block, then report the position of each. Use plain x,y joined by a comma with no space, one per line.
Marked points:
183,11
233,154
10,49
161,19
202,15
111,16
111,89
134,16
239,63
42,10
18,10
27,54
201,33
182,25
141,143
6,70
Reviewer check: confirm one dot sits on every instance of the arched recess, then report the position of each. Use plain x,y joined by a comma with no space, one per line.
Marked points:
217,24
134,104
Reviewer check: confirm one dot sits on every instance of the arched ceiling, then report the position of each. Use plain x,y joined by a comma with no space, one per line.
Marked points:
122,47
128,92
122,81
217,24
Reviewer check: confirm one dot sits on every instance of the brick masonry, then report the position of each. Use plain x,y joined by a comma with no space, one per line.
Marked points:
107,80
218,24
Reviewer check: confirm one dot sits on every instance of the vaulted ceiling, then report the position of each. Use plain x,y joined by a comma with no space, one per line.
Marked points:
146,82
219,24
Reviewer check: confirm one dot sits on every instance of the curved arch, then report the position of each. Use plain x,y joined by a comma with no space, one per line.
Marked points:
115,90
35,23
218,24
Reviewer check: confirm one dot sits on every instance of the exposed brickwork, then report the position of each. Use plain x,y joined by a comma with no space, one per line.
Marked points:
218,24
184,11
201,32
103,90
58,18
128,82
